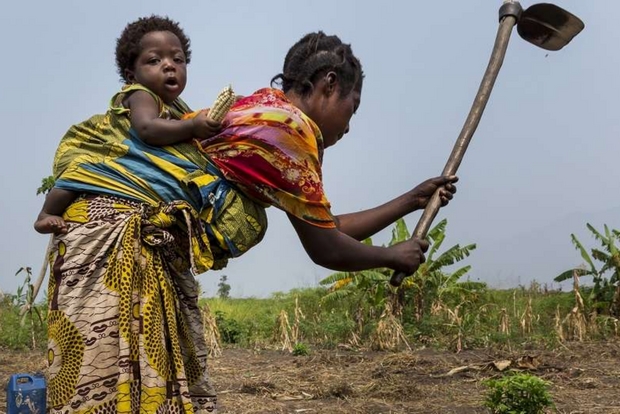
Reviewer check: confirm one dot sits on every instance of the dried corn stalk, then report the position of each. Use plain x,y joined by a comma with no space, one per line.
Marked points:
299,315
456,320
211,333
514,304
504,322
592,325
576,324
282,332
354,340
526,318
559,326
436,308
576,321
389,333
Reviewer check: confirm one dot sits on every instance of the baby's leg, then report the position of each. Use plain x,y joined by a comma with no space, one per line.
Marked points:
49,219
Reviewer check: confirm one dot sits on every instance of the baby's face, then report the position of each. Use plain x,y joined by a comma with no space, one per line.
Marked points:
161,65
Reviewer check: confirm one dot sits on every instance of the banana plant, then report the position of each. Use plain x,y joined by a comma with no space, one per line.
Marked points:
366,286
431,283
372,286
605,292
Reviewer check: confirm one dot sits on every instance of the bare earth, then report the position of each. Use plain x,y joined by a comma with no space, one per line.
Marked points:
585,379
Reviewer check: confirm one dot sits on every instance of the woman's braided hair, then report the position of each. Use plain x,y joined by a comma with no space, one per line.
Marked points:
313,56
128,44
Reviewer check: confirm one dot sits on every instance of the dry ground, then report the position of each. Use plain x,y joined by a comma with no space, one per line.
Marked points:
585,379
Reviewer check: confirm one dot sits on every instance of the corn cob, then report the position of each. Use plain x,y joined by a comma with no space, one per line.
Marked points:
222,104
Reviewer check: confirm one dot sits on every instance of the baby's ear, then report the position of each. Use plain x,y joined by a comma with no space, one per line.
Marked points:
129,75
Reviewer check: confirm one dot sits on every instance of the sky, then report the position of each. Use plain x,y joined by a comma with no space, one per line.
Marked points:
542,164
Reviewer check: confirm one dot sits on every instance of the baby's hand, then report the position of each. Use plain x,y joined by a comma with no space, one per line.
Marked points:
204,127
51,224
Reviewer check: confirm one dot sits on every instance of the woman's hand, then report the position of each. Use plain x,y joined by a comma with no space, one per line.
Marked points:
423,192
409,255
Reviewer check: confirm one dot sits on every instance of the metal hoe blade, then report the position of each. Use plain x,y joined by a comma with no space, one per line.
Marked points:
548,26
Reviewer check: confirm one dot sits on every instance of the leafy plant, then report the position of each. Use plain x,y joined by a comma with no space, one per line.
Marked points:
431,283
21,330
430,280
25,296
230,330
47,184
605,293
518,394
301,349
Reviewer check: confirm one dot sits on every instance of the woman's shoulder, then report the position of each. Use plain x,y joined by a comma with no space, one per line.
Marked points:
265,98
271,107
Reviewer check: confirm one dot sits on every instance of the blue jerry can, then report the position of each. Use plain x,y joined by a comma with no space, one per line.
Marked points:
25,394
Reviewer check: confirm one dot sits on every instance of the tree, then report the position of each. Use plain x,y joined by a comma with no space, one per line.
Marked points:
47,184
223,288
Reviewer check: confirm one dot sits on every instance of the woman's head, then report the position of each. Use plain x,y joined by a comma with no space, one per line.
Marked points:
154,51
312,57
322,72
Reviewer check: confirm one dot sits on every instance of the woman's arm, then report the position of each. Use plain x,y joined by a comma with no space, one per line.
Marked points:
335,250
151,129
365,223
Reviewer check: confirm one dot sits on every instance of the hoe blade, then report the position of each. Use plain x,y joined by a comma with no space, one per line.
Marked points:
548,26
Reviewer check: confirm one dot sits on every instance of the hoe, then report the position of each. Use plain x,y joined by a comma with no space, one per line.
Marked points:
544,25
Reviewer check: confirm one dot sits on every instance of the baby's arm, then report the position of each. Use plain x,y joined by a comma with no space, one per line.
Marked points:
159,132
50,218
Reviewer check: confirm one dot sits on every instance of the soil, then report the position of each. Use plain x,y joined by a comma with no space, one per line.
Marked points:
585,378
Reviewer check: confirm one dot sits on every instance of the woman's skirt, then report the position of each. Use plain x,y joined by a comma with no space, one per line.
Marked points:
125,329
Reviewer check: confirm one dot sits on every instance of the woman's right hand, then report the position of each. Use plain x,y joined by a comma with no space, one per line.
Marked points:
409,255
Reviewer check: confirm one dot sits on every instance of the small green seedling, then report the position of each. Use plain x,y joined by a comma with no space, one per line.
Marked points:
301,349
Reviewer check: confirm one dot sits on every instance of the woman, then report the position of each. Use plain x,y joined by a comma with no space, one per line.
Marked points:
124,326
272,147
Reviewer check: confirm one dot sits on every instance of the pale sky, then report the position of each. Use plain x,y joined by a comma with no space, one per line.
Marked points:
542,163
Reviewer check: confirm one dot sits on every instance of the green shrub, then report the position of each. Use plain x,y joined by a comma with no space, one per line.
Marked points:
230,329
518,394
17,335
334,328
301,349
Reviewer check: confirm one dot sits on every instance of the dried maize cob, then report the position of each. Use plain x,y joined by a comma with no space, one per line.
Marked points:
222,104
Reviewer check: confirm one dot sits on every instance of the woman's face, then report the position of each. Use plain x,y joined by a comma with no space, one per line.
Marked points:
335,112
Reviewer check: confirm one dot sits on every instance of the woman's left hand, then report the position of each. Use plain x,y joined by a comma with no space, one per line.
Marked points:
423,192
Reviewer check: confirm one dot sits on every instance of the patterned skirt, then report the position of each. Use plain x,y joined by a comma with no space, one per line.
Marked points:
125,329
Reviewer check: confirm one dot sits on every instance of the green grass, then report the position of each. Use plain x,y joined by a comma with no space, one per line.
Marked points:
17,335
252,322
